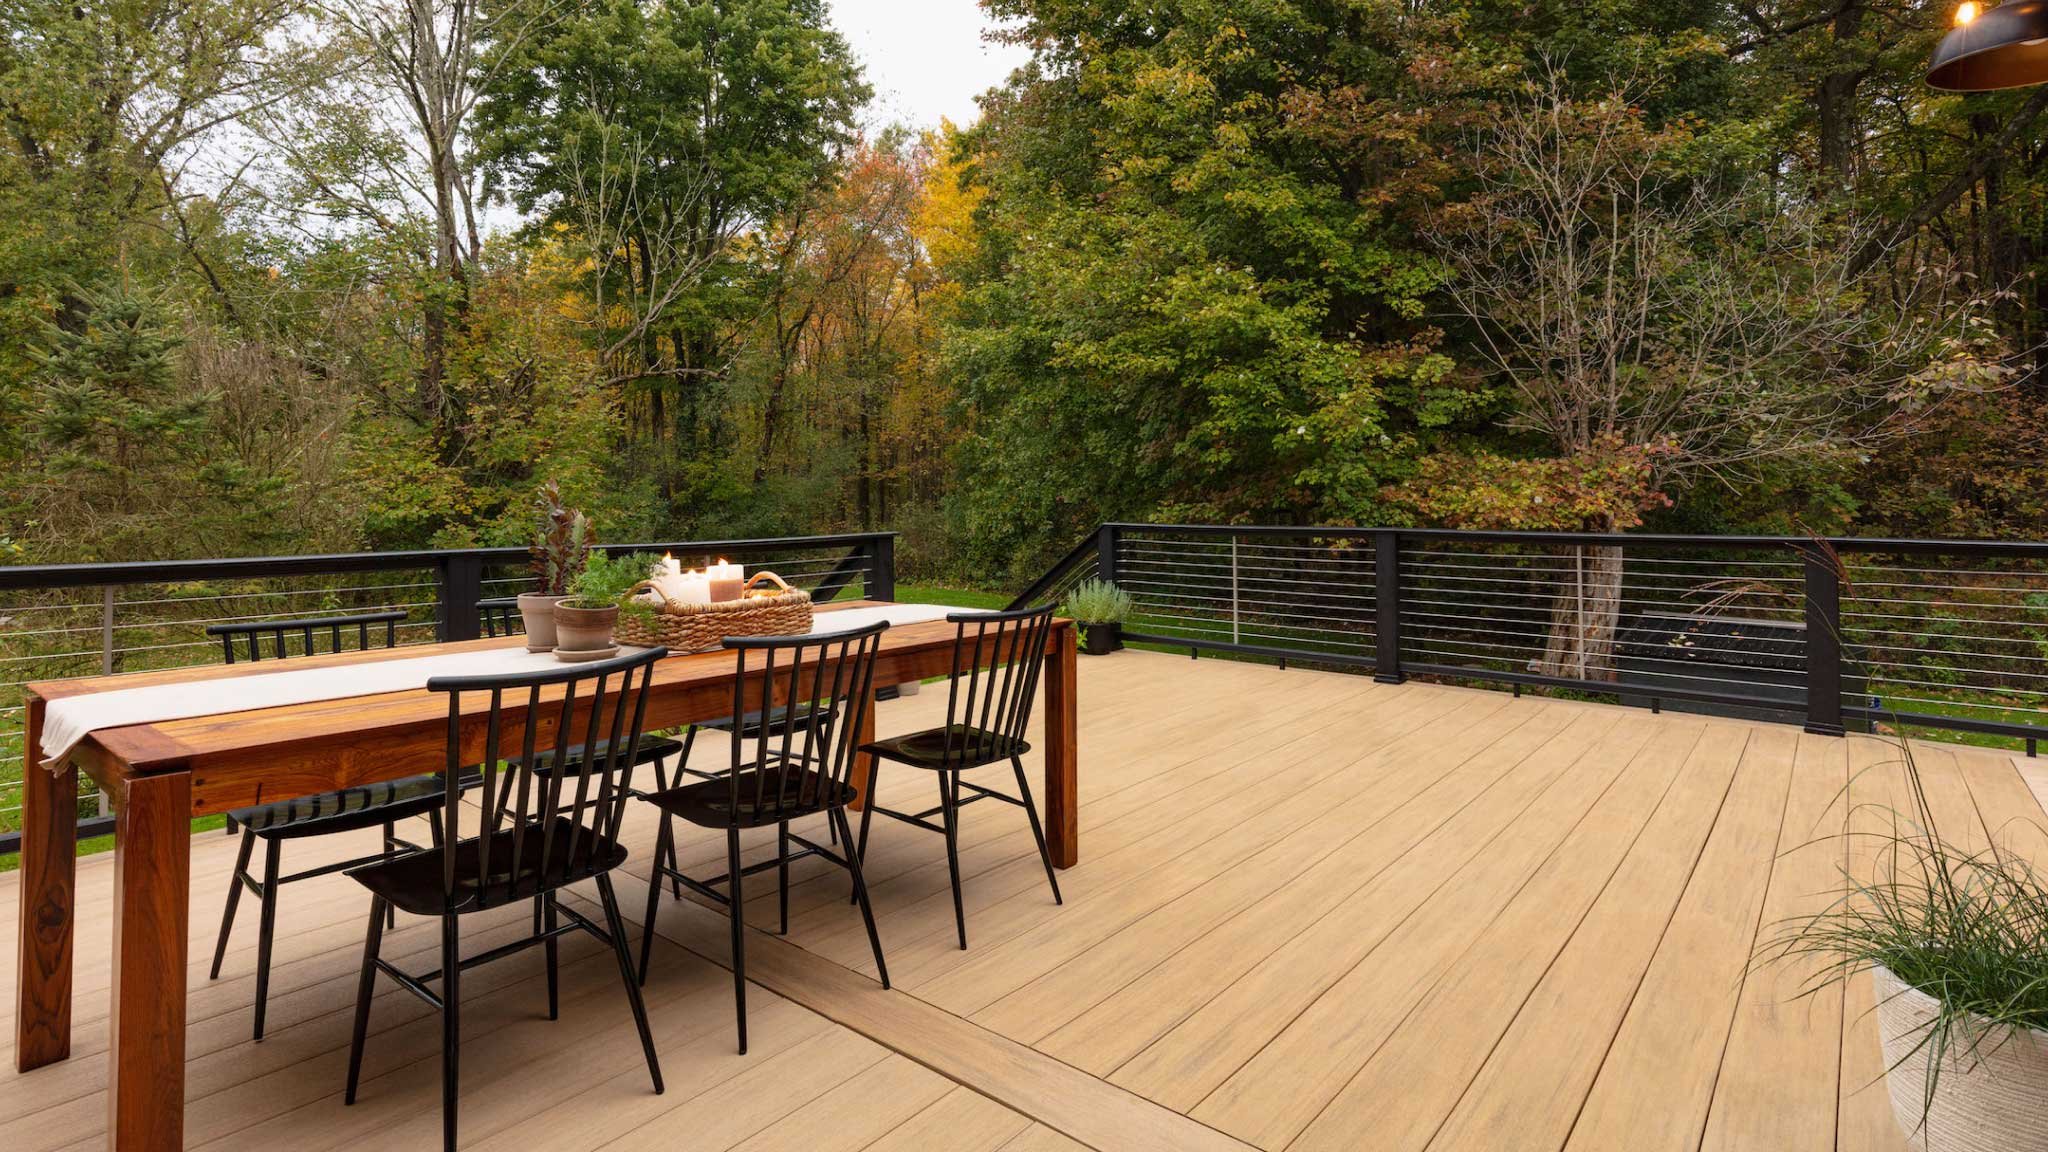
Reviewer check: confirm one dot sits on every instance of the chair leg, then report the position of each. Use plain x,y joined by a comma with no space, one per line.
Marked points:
867,815
390,846
782,874
266,928
860,895
949,799
227,917
554,978
1037,830
451,1026
366,989
616,926
661,841
737,902
667,821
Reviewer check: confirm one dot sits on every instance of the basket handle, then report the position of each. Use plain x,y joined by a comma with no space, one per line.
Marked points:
759,576
667,604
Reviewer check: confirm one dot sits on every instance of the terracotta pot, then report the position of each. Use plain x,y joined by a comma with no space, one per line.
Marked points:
1993,1098
584,629
538,611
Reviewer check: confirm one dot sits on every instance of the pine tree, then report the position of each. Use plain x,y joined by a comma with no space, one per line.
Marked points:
108,406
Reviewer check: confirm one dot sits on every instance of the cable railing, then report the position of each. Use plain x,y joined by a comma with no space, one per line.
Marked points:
62,621
1838,634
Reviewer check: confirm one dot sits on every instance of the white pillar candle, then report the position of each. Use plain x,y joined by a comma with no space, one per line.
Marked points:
693,588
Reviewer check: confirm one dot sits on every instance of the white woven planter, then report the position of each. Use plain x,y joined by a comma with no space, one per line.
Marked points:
1993,1100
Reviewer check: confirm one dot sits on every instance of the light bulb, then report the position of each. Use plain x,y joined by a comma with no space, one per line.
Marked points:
1966,12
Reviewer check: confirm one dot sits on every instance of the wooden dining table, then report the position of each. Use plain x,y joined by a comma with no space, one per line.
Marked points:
160,776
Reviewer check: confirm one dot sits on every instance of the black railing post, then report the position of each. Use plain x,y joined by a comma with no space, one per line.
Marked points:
460,580
1106,538
881,579
1823,646
1386,604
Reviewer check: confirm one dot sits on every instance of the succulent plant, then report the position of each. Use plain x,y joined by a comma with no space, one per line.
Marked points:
561,550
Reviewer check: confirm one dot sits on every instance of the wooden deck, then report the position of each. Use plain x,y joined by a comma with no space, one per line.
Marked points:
1313,912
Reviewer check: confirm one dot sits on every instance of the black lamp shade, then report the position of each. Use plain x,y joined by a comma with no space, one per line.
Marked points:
2004,47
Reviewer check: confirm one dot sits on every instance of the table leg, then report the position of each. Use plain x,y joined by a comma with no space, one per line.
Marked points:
49,865
152,885
863,764
1062,752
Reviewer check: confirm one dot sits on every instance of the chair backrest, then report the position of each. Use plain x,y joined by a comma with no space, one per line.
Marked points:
501,617
552,823
822,684
362,629
996,660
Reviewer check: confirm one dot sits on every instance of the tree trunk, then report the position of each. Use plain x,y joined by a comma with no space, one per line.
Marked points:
1585,615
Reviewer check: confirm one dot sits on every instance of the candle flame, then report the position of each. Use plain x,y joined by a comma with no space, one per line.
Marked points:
1966,12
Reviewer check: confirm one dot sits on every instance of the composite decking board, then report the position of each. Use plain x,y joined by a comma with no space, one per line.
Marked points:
1864,1114
1416,1075
1779,1082
922,940
1532,1081
1216,1042
1295,1077
1326,859
1657,1078
1089,1110
1128,1019
579,1083
715,1096
962,1120
1039,1138
2034,771
1303,812
1002,863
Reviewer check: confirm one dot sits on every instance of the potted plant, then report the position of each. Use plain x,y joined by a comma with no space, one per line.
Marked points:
1956,943
584,621
560,550
1100,608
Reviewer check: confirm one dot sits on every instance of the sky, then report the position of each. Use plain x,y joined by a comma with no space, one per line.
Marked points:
925,58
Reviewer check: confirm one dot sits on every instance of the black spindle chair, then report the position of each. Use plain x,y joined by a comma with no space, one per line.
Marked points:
325,814
557,829
996,661
780,772
501,617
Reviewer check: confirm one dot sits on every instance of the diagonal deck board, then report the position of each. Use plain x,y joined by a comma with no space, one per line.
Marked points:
1312,912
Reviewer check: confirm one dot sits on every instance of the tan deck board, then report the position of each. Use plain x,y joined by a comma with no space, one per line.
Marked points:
1313,912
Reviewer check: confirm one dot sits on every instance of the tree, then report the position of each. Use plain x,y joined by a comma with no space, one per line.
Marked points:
659,133
1199,290
109,415
1635,299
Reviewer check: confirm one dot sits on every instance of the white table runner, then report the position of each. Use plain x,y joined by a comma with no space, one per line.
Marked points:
69,720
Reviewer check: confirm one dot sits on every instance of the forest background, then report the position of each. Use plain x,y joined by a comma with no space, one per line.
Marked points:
324,275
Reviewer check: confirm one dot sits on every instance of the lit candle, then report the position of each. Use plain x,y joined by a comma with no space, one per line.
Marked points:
693,587
726,581
671,565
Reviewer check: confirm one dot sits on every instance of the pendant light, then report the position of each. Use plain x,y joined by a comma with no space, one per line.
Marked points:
1988,49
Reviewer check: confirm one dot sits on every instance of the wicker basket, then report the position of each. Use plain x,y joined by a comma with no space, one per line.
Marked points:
702,627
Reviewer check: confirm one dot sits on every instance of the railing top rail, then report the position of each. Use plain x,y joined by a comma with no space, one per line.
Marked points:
250,567
2028,548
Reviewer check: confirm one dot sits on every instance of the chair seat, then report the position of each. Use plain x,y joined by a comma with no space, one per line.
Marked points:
749,725
785,796
959,746
413,883
650,749
366,806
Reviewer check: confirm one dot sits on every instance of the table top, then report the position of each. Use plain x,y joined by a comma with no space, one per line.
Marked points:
684,688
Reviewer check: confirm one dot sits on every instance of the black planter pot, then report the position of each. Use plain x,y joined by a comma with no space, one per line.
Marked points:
1102,639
